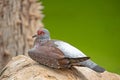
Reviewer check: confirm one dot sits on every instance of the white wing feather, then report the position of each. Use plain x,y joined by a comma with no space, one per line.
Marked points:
69,50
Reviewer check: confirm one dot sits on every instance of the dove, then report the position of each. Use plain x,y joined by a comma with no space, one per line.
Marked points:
59,54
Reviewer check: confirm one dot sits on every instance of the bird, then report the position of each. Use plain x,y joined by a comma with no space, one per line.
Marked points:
59,54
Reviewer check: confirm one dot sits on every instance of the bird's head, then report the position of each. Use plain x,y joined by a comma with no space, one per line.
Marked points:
42,34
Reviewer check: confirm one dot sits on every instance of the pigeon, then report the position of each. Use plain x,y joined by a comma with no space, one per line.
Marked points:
59,54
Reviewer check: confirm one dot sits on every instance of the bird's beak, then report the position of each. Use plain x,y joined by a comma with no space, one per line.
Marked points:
34,36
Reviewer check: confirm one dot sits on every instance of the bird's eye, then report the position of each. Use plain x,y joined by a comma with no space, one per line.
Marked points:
40,32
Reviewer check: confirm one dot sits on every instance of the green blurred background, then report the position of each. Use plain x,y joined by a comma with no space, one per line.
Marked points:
93,26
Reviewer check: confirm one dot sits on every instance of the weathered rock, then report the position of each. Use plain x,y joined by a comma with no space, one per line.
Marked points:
24,68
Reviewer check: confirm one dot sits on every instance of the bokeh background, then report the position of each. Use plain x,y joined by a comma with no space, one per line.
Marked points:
93,26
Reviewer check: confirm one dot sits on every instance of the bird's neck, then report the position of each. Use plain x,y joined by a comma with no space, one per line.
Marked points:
43,40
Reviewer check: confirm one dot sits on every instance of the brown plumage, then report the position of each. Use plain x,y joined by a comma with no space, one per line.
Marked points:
47,54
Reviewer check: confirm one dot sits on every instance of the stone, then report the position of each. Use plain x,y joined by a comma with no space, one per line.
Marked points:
24,68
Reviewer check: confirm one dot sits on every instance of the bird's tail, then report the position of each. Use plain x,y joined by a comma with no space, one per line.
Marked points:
90,64
99,69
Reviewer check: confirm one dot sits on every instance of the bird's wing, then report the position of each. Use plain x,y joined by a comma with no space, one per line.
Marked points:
46,51
46,55
69,50
53,57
